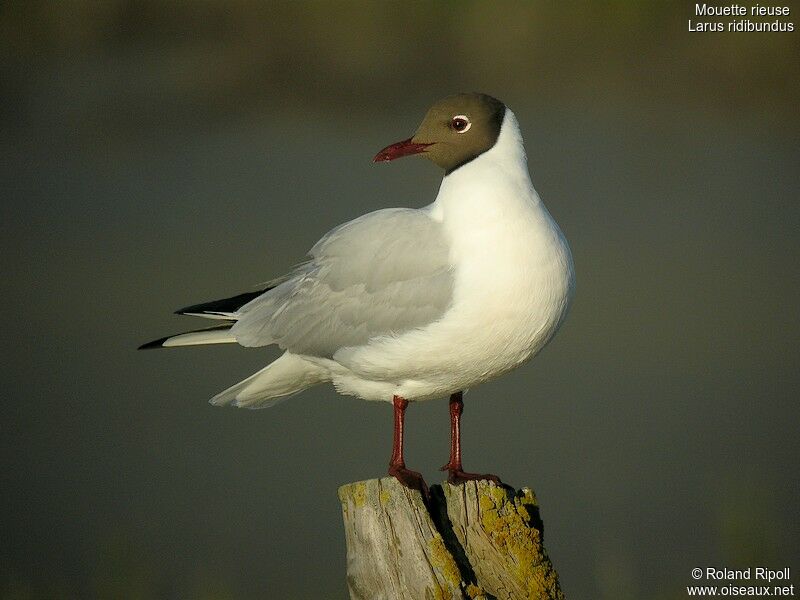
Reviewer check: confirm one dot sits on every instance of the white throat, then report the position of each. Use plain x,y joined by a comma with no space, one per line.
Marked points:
494,184
507,155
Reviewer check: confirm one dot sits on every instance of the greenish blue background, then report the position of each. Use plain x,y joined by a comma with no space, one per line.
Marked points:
155,154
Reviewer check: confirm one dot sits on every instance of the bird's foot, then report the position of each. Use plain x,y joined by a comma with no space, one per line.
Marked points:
410,479
456,475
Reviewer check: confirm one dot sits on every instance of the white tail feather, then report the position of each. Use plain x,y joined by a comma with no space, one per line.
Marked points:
277,381
200,338
223,316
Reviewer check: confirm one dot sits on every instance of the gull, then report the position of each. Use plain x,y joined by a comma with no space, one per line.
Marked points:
410,304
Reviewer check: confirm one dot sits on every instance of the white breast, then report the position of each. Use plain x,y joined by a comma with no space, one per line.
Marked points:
514,282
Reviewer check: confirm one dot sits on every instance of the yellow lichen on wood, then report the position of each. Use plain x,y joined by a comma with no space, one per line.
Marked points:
506,521
500,532
527,497
442,560
523,500
475,592
359,492
507,529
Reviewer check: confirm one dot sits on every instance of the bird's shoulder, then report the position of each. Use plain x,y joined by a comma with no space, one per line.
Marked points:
392,244
379,228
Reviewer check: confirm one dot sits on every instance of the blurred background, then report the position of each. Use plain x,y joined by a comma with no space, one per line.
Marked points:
155,154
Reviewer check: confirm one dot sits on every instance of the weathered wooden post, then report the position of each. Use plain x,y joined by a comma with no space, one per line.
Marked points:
476,540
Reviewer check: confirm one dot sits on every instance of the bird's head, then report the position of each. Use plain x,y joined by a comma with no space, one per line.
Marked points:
455,130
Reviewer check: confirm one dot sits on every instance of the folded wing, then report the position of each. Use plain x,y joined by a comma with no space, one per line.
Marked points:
382,274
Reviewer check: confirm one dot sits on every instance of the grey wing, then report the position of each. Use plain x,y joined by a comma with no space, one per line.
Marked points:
382,274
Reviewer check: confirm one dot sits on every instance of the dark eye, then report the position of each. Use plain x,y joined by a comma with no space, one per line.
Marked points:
460,123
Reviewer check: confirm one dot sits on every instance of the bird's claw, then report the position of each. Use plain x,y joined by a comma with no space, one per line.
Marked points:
411,479
457,476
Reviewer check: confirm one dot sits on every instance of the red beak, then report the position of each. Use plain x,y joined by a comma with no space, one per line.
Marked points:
404,148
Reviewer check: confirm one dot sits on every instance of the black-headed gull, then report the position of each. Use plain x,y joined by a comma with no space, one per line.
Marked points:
406,304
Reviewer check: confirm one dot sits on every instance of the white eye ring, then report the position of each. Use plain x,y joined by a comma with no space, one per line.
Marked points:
464,118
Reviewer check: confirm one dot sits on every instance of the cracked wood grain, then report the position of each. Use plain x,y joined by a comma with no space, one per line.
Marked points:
477,540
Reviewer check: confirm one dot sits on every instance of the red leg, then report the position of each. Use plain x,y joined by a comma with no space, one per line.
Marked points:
397,465
454,467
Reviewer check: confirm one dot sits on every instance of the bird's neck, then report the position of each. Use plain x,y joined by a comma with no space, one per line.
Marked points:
496,181
504,163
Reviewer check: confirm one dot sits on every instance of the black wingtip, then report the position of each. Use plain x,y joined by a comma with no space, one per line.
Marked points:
225,305
159,343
